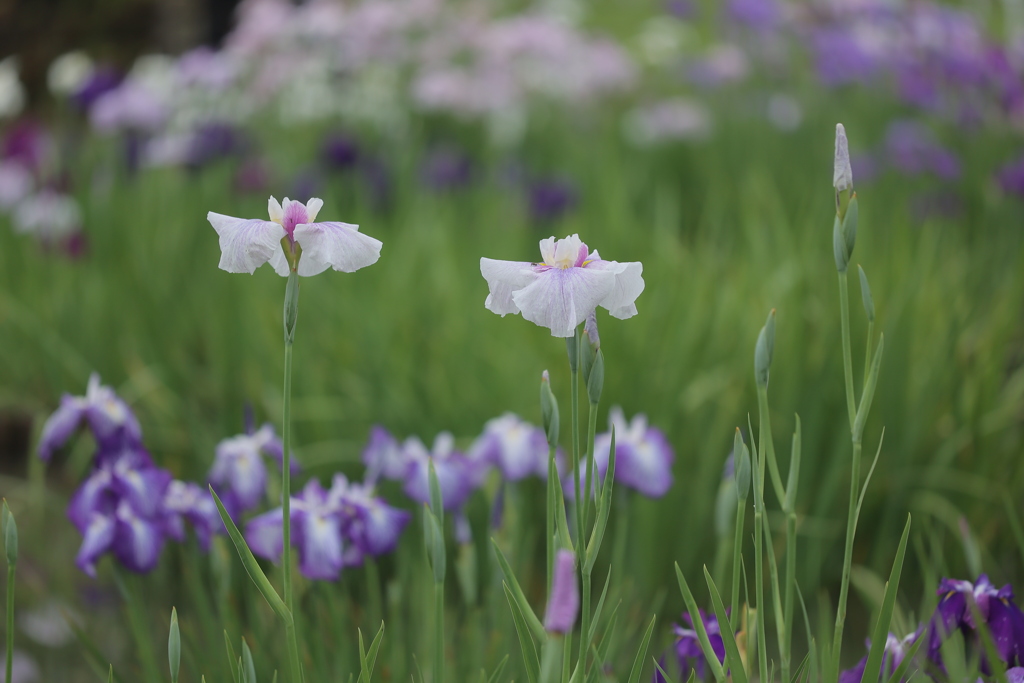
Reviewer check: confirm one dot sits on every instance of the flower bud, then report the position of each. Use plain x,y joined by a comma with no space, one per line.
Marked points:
564,599
741,465
572,345
10,536
548,410
174,646
764,350
588,350
865,295
842,174
839,251
596,380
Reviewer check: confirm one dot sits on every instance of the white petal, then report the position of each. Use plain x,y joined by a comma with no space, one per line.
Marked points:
275,210
503,279
245,243
560,299
629,283
547,250
279,262
337,245
313,207
842,174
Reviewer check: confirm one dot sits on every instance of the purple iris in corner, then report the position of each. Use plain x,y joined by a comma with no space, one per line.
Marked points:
896,650
239,474
515,446
643,456
109,418
1003,618
332,528
688,650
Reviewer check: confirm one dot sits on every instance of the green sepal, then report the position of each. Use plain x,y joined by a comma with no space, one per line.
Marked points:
436,502
741,465
549,410
865,295
516,593
291,307
850,226
435,545
789,504
572,345
595,378
839,251
869,391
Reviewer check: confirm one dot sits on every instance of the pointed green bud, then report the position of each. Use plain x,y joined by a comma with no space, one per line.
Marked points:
865,295
291,307
589,346
839,246
436,502
572,345
741,465
174,646
548,410
596,381
764,350
850,225
10,535
248,667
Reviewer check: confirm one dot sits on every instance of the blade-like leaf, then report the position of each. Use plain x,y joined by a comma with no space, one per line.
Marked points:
881,632
536,628
901,670
732,652
498,670
869,390
634,673
248,667
664,674
232,658
698,625
600,606
604,509
252,567
526,641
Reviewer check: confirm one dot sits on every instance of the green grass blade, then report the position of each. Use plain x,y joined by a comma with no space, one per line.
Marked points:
232,657
634,674
698,625
531,620
732,651
526,641
498,670
248,667
600,606
901,670
664,674
881,632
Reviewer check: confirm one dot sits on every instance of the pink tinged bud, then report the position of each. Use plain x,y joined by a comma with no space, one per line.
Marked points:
564,600
591,329
545,377
842,175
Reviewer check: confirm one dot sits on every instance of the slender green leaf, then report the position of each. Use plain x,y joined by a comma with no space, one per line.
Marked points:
664,674
252,567
600,606
901,670
536,628
498,670
110,674
634,673
526,641
174,646
232,657
732,652
869,390
881,632
698,625
604,509
249,668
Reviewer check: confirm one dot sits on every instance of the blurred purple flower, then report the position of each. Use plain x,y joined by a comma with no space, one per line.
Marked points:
251,177
839,56
761,15
681,9
453,471
688,651
190,501
643,456
445,169
213,141
384,457
896,650
339,152
912,149
16,183
238,474
518,448
26,143
550,199
130,106
109,418
102,80
1011,177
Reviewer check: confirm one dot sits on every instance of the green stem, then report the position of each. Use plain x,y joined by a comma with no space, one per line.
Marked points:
10,622
737,551
844,586
580,537
787,638
550,517
373,588
844,310
762,651
591,431
290,316
439,632
767,444
584,623
140,632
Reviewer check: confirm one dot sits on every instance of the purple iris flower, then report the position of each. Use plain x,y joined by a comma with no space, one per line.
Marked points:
643,456
26,143
896,650
100,82
601,462
550,199
1011,177
384,457
446,169
761,15
239,473
332,529
912,149
1003,618
339,152
688,650
190,501
453,471
108,416
213,141
518,448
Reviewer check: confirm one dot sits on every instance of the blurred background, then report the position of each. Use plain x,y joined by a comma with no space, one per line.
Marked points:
695,136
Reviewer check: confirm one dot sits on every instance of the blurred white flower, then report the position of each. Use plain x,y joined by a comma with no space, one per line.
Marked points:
48,623
678,118
662,39
12,94
15,183
48,215
69,72
784,112
132,106
24,669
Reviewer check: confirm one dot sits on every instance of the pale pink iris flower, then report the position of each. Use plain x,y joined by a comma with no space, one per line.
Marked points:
564,288
248,243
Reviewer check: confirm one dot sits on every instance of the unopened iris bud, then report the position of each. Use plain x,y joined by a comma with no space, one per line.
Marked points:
564,599
572,345
741,465
844,231
764,350
174,646
10,536
588,350
865,295
548,409
596,380
842,175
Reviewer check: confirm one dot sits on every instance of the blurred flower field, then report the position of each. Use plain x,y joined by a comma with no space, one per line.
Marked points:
461,159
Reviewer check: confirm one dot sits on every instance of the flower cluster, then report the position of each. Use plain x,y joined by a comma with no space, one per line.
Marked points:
127,506
239,474
332,529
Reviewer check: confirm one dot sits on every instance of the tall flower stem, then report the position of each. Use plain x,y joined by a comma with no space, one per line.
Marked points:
737,552
10,621
851,519
573,347
439,632
291,306
584,570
